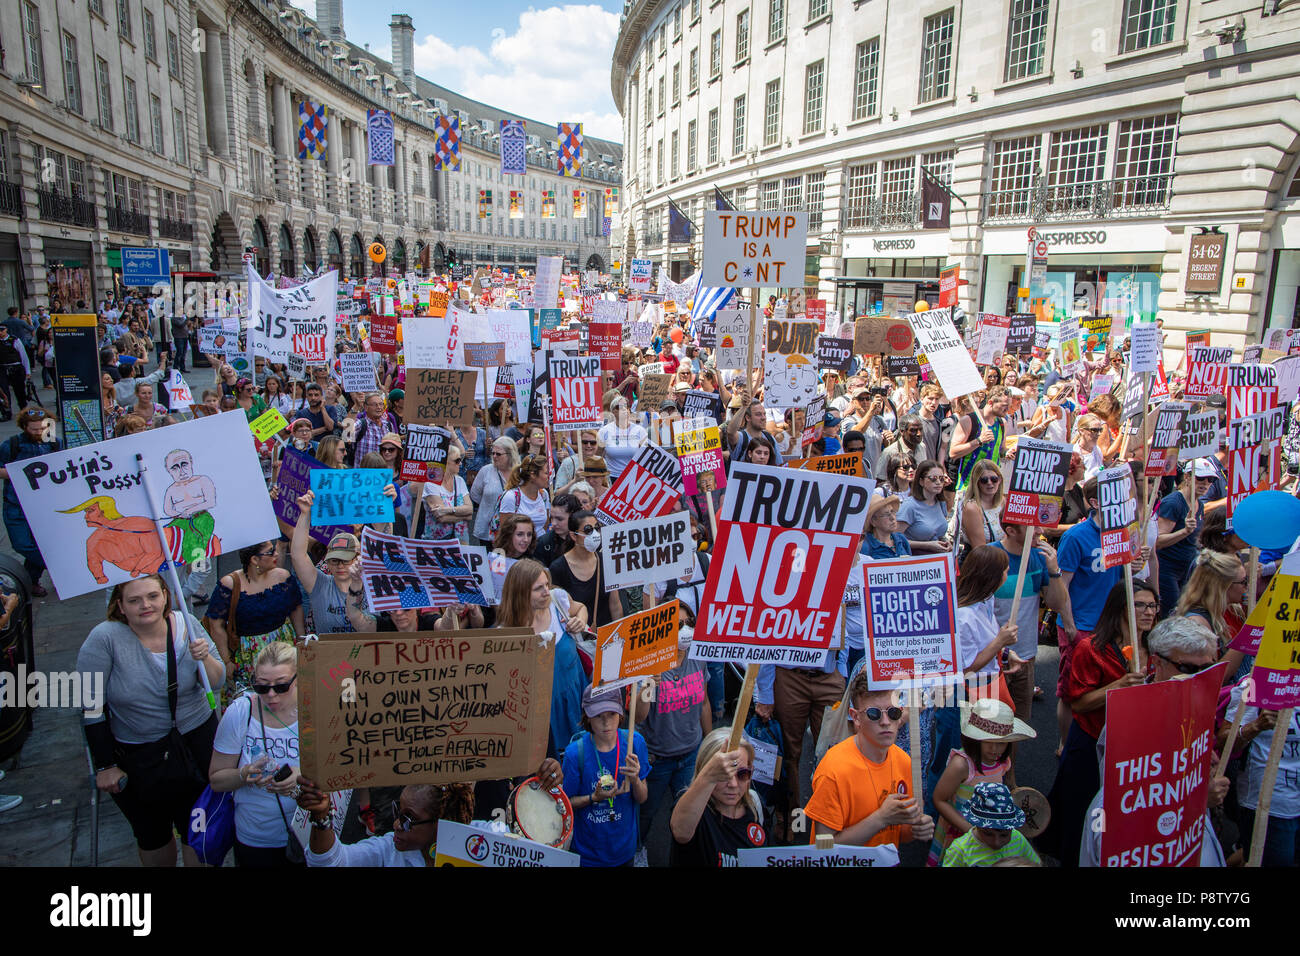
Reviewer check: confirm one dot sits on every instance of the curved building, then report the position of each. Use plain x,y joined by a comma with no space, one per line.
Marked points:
1152,144
175,123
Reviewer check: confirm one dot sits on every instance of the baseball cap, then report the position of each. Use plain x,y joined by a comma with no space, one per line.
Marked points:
602,701
1205,469
831,420
343,547
667,403
392,438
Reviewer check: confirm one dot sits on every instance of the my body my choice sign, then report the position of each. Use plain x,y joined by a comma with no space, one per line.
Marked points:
754,249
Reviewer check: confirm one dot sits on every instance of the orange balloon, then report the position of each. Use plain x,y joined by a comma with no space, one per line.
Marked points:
377,252
676,335
399,333
921,306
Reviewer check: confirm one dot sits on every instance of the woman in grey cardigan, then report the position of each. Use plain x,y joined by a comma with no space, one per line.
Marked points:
141,652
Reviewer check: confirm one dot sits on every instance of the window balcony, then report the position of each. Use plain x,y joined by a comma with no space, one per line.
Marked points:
1128,197
174,229
55,207
11,200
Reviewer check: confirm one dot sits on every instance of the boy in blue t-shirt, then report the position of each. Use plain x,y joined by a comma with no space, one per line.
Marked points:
605,782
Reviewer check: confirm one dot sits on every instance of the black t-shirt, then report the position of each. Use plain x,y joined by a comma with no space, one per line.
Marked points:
583,592
716,840
549,547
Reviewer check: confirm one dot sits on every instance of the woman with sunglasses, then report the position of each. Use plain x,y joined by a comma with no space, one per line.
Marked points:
413,839
490,484
447,508
1214,596
899,475
1087,434
251,609
245,398
923,517
332,452
719,813
532,441
981,507
1098,665
572,469
621,436
577,571
28,443
501,420
256,740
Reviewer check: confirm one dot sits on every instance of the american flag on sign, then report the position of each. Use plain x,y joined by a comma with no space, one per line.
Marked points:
446,146
313,123
569,139
514,141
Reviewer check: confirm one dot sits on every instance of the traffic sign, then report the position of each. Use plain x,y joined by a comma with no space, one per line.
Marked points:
145,266
1040,249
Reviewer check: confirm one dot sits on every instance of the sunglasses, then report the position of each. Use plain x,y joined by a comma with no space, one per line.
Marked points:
874,714
387,449
990,480
278,688
588,528
742,774
404,821
1185,668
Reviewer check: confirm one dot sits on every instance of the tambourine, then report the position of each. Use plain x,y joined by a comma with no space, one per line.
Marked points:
1038,812
377,252
541,815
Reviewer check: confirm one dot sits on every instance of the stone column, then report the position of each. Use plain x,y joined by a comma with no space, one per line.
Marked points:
214,89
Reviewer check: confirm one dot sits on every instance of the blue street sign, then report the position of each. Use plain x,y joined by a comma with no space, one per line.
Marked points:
143,266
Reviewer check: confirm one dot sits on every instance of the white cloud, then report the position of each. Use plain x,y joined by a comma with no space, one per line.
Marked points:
306,6
555,66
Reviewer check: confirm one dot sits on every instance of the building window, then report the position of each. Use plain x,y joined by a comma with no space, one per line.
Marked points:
936,57
715,55
772,113
32,43
1147,23
792,193
1144,160
713,135
866,78
4,156
939,165
124,19
1015,164
674,167
818,9
173,55
132,110
769,196
815,198
1076,162
150,40
649,103
861,185
775,20
898,192
1026,38
53,160
71,74
695,10
663,83
677,84
97,6
178,135
742,35
155,122
677,23
105,93
692,147
738,126
693,72
814,96
659,162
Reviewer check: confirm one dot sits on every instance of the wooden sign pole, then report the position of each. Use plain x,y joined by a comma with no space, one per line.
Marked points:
1281,730
914,743
1134,639
1030,532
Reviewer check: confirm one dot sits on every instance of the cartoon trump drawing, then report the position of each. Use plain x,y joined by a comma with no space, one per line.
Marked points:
130,542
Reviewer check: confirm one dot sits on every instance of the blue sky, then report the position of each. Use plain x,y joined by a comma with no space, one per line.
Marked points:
549,62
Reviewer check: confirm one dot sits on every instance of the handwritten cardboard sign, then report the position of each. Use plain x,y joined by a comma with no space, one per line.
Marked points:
639,645
393,709
350,495
485,354
437,396
652,392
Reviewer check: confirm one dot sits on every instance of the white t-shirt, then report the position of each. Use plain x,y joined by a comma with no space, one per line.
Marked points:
977,625
1286,791
257,818
621,445
538,509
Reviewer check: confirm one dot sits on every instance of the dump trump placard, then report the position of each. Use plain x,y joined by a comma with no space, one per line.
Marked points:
1037,482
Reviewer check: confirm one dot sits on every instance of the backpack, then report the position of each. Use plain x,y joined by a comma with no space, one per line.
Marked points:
519,496
673,585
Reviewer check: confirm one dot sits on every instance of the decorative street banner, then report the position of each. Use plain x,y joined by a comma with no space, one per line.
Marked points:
1117,511
607,344
733,338
436,396
1200,436
1207,371
1162,459
357,369
1276,674
292,482
699,449
635,553
425,456
1156,779
413,573
1037,483
834,354
514,146
474,705
95,525
648,487
298,320
786,540
381,150
639,645
753,249
911,612
350,496
575,392
790,370
313,129
937,337
460,845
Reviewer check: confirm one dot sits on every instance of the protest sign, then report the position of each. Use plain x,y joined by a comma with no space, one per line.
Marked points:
1020,334
439,301
634,553
1156,777
178,390
425,453
426,341
511,326
706,334
607,344
814,423
93,516
293,481
476,556
992,338
1135,394
546,282
848,463
653,390
1200,436
1037,482
1162,459
841,855
642,271
298,320
1117,512
639,645
383,334
698,404
1095,329
902,365
699,450
461,845
1100,385
350,495
733,328
415,573
815,311
753,249
785,542
1276,675
1288,378
485,354
1207,371
575,392
436,396
391,709
648,486
269,423
1069,342
1255,423
911,621
790,370
950,362
642,331
358,372
877,336
834,354
297,367
1144,348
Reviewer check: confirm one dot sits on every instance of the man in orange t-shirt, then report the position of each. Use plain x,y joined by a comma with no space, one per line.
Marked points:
860,788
